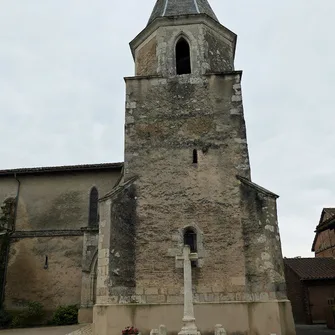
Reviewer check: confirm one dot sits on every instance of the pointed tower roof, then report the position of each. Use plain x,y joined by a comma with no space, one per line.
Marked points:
181,7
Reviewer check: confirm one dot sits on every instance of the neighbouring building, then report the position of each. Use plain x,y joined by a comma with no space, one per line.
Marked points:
324,241
310,288
53,234
187,180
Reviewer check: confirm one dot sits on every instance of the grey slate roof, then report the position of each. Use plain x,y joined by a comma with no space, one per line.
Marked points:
181,7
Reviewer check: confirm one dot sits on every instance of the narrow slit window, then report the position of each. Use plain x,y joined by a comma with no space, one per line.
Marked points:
195,156
93,210
183,57
46,263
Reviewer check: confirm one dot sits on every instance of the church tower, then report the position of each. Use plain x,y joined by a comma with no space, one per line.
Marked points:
186,180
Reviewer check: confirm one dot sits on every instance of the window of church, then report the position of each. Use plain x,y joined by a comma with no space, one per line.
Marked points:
183,58
190,239
93,211
195,156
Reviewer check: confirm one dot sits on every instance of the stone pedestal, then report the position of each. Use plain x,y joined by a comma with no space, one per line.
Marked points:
160,331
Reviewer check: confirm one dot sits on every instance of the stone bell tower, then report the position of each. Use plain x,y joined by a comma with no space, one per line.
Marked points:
186,180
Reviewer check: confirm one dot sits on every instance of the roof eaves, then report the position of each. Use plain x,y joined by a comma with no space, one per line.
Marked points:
65,168
329,223
257,187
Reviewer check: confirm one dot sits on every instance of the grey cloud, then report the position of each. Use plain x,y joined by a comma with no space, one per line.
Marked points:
62,65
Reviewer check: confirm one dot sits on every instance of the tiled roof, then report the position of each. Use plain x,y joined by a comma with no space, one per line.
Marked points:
181,7
330,211
312,268
327,213
65,168
327,218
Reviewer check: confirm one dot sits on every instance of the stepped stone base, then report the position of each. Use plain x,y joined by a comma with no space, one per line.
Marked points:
85,315
245,318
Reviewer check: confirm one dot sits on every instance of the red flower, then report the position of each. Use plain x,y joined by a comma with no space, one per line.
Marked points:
130,331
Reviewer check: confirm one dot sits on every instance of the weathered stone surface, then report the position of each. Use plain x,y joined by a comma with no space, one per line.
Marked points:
27,280
212,47
180,117
147,59
262,247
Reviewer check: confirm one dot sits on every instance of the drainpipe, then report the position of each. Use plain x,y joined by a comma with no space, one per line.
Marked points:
8,245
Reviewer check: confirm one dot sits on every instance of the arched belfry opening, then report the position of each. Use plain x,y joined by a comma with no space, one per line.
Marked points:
94,206
183,57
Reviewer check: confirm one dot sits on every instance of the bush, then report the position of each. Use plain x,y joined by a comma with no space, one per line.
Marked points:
5,319
32,316
65,315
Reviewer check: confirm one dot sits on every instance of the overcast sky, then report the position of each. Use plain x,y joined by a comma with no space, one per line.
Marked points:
62,64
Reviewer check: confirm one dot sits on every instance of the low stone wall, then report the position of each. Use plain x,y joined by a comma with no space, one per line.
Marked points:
238,318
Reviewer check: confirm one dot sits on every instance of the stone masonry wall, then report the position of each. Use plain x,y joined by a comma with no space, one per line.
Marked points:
89,266
122,253
262,247
59,201
219,53
28,280
212,48
116,258
52,209
166,119
146,58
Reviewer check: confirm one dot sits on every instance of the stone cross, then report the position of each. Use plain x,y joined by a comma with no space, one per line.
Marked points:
189,327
